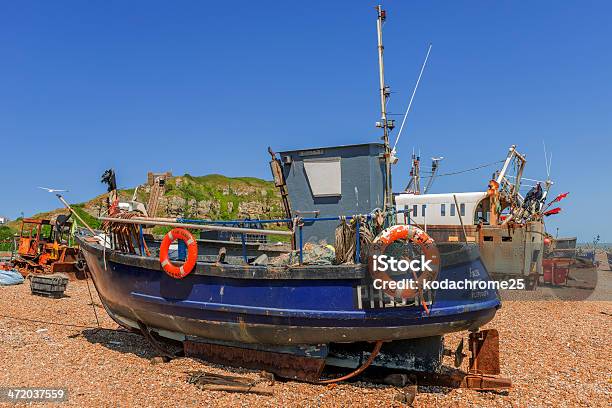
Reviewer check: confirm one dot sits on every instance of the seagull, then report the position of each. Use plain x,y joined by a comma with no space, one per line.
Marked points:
53,190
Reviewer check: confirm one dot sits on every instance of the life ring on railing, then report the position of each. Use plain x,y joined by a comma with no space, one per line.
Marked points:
178,272
416,236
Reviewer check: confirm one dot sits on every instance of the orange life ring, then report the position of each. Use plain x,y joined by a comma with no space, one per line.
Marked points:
178,272
416,236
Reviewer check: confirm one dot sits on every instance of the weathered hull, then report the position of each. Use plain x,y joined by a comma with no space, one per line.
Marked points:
257,304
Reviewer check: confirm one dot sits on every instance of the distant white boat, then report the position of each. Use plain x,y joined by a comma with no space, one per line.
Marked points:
508,228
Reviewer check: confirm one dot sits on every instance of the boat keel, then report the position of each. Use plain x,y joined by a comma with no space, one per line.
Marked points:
304,363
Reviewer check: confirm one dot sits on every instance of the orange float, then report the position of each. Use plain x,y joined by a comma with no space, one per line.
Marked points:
178,272
416,236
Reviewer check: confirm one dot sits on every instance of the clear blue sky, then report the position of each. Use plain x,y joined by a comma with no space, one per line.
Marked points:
205,87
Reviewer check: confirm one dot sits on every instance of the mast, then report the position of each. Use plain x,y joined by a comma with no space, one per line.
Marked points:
435,166
414,185
386,125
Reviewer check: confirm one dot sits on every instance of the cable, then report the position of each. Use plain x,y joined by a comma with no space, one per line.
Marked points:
358,371
412,97
93,306
466,170
25,319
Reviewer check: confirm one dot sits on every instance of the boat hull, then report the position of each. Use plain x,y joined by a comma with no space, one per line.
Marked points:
284,306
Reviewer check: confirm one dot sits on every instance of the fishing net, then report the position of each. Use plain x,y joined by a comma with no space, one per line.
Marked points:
312,254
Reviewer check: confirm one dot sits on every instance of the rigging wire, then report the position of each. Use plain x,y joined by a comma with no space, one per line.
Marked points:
482,166
93,305
412,97
78,326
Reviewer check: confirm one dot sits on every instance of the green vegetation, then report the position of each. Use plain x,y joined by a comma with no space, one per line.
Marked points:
228,192
6,238
213,196
161,230
90,220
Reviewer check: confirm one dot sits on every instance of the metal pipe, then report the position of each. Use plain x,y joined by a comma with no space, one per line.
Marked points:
141,237
280,220
460,217
244,249
301,246
388,197
200,224
502,173
231,222
348,217
146,221
357,249
381,71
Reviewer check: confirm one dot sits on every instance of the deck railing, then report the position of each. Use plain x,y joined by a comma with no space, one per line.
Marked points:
222,225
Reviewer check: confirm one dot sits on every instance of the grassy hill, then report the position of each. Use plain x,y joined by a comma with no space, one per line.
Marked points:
213,196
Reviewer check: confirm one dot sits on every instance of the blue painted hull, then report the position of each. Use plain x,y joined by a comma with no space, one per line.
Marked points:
256,304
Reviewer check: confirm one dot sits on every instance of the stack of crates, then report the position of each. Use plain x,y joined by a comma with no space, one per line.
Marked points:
52,286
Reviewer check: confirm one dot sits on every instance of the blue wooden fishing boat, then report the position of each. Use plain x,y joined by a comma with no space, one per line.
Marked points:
230,301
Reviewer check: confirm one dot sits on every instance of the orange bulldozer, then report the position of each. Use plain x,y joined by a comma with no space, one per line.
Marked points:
44,247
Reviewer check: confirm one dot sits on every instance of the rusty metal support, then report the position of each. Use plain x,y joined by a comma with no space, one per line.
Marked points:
483,382
284,365
484,346
483,367
483,370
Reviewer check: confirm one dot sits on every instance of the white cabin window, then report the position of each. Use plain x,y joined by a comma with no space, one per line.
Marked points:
462,209
442,210
415,209
452,210
423,208
324,176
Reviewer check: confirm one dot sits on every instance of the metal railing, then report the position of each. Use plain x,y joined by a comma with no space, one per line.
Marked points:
222,225
299,222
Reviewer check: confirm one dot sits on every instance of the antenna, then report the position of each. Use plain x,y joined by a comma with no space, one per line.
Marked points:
547,160
416,86
548,183
414,185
